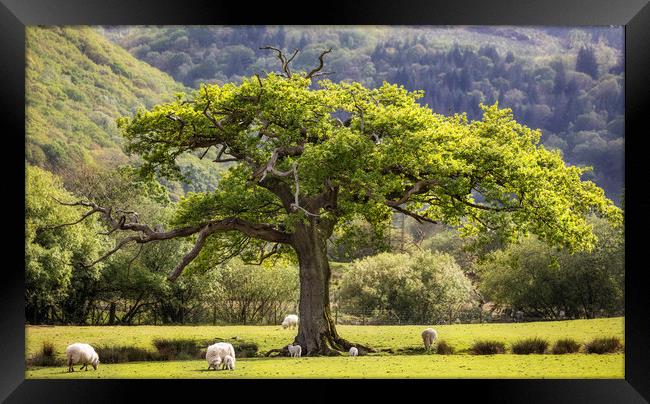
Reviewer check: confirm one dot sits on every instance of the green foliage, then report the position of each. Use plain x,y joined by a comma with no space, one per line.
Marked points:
358,239
78,83
487,347
522,186
603,345
422,288
552,81
543,281
528,346
54,254
564,346
245,294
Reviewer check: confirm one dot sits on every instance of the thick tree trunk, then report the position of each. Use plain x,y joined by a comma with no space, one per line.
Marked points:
316,330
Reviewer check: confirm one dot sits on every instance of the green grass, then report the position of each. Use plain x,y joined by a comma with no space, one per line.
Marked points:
415,366
460,336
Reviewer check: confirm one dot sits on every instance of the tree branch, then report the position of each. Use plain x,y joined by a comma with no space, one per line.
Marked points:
261,231
414,215
283,59
320,66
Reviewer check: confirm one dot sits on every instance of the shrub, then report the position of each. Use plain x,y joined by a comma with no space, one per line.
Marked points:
182,349
120,354
530,346
444,348
603,345
171,349
46,356
488,348
564,346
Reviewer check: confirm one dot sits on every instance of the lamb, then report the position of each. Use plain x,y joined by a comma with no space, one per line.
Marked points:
428,336
229,362
81,353
290,321
295,351
216,355
354,351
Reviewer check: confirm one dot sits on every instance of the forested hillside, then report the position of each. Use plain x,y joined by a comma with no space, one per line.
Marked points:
567,82
77,85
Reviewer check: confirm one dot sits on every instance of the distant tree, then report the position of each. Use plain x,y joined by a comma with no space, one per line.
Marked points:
542,281
249,294
423,287
55,253
586,61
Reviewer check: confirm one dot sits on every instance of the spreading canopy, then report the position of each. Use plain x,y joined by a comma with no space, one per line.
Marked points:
329,152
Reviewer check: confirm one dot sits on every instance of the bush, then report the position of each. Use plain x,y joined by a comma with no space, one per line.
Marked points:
564,346
488,348
184,349
444,348
46,356
603,345
120,354
530,346
172,349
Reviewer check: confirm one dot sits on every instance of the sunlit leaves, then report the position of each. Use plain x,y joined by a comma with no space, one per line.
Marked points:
376,146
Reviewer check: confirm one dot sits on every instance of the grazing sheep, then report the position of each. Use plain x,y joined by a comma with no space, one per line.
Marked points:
429,336
354,351
81,353
229,362
295,351
217,353
290,321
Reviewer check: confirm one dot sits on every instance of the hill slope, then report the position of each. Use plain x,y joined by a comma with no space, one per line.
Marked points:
566,81
77,84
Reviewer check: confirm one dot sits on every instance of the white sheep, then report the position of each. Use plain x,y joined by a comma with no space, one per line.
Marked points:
428,337
217,353
229,362
295,351
81,353
354,351
290,321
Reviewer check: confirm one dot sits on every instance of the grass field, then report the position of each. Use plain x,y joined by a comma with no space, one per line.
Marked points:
386,365
396,366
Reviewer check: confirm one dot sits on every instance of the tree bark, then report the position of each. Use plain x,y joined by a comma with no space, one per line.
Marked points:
317,333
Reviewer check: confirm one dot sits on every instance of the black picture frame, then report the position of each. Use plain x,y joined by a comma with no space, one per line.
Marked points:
633,14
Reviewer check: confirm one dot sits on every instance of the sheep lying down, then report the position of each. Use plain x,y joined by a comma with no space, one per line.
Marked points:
81,353
220,354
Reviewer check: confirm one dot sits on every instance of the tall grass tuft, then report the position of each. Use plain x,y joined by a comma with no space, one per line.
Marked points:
565,346
603,345
173,349
487,347
444,348
46,356
120,354
530,346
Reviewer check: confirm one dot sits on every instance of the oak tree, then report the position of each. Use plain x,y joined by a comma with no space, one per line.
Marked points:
312,155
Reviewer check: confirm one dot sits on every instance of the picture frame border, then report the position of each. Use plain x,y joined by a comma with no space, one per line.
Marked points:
15,15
